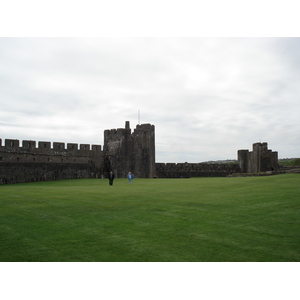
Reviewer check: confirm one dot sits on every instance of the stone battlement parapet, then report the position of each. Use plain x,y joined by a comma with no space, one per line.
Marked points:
58,146
118,132
12,152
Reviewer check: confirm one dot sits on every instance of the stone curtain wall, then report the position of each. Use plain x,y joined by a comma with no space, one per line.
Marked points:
33,172
186,170
28,163
123,152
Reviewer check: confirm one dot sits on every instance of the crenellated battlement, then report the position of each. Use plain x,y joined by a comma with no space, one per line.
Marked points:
17,163
42,145
144,127
117,132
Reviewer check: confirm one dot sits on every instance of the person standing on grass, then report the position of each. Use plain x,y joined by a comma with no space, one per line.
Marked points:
129,177
111,178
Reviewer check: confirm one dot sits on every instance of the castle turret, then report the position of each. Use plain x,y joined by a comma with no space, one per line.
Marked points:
130,152
144,150
243,159
261,159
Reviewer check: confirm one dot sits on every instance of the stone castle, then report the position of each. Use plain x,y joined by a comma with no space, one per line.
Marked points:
123,151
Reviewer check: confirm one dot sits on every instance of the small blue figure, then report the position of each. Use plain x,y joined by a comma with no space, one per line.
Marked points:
129,177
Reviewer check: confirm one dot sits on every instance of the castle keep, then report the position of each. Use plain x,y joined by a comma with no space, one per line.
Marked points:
261,159
123,151
135,152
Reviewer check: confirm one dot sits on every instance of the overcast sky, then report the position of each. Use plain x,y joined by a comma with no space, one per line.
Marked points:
207,97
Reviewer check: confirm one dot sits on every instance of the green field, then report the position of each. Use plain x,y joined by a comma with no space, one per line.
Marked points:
195,219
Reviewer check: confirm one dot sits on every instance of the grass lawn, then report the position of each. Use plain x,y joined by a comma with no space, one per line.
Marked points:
195,219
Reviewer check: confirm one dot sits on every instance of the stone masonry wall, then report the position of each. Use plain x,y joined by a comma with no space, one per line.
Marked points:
118,151
186,170
30,163
123,151
144,150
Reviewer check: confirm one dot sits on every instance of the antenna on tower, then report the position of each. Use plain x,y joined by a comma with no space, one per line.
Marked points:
139,117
